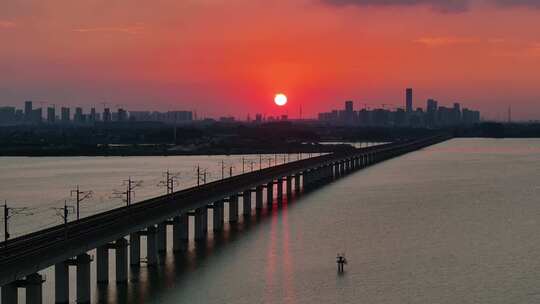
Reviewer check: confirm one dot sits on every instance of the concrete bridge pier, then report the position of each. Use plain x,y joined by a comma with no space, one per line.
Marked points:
102,264
201,220
83,278
134,249
218,216
246,199
10,293
162,237
280,189
328,174
233,208
288,182
151,246
305,180
34,288
270,194
180,231
258,197
61,283
120,247
33,284
297,182
314,179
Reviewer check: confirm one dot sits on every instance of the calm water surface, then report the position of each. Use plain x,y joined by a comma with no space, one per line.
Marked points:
453,223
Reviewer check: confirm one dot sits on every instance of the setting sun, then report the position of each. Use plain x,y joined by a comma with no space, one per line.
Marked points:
280,99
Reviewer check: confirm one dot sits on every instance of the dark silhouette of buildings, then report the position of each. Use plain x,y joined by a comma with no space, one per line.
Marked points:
432,117
29,115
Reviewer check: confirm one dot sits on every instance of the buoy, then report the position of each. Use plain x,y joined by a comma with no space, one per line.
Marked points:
341,260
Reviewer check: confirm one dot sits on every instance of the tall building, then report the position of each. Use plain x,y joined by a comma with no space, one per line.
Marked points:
431,112
79,116
51,115
28,110
349,105
431,106
107,115
93,116
409,100
64,114
456,113
122,115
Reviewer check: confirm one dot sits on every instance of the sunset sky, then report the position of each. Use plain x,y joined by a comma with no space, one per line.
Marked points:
231,57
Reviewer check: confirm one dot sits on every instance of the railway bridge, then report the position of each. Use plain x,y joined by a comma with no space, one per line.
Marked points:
122,230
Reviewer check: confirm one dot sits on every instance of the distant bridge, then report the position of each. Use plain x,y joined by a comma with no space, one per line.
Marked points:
67,245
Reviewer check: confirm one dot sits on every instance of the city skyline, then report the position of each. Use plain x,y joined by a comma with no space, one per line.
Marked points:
317,52
433,114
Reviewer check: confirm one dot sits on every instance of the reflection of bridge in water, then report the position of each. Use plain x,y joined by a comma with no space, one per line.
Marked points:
68,245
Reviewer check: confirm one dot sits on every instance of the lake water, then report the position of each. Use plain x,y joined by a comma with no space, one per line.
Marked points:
453,223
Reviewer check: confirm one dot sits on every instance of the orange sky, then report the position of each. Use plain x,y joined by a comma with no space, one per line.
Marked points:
230,57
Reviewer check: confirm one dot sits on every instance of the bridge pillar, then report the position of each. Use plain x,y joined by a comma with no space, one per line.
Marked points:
9,293
259,197
270,194
233,208
201,227
151,246
305,180
280,188
162,237
83,278
121,261
289,186
297,182
325,174
102,264
218,216
61,283
246,199
34,289
180,231
134,249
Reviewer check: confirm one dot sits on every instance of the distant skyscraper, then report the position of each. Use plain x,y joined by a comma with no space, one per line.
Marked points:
51,115
78,117
349,105
409,100
456,111
92,115
431,106
64,114
122,115
107,115
28,110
